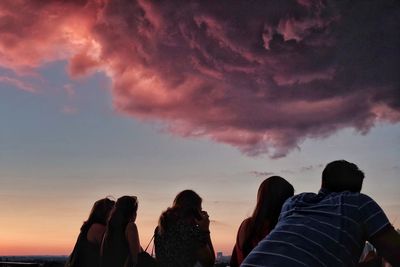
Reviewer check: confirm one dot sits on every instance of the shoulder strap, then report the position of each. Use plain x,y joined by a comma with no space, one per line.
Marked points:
149,243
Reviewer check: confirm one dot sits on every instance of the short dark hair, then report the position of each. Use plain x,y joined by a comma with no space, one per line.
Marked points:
341,175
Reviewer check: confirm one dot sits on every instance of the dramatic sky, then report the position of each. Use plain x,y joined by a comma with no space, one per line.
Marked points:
146,98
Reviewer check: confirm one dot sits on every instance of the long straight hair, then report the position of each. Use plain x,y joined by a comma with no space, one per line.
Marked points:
272,193
114,249
125,210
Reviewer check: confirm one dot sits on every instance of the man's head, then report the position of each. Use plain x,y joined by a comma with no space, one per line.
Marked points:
341,175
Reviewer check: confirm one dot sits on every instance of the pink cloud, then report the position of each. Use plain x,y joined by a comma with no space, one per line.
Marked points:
35,32
69,89
21,85
82,64
262,77
70,110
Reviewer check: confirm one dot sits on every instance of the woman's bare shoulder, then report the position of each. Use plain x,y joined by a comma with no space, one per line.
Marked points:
243,230
246,223
131,227
97,227
95,233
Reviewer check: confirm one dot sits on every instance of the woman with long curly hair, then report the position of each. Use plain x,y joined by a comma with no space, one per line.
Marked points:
182,238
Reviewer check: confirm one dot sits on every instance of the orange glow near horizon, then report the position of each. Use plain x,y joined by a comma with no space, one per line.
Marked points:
18,245
35,238
49,232
48,224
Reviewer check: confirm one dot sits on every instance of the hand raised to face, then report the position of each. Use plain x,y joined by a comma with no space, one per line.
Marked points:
203,222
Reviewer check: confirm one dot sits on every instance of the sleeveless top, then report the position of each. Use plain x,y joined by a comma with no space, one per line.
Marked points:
115,251
239,253
85,253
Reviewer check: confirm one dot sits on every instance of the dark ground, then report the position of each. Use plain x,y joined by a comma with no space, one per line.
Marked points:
44,261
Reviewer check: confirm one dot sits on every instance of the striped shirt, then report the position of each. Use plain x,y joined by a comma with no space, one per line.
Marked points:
324,229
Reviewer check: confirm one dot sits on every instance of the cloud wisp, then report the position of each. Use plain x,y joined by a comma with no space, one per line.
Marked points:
260,76
263,175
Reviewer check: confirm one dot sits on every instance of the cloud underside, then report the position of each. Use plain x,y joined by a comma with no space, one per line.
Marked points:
260,76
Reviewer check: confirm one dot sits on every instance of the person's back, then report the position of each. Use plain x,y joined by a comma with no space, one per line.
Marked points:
327,229
90,246
120,246
86,251
115,251
177,247
182,238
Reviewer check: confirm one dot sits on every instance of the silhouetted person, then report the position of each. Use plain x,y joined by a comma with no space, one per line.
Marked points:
271,195
182,238
329,228
121,244
86,252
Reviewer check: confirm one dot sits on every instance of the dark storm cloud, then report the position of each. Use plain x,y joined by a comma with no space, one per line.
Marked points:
260,76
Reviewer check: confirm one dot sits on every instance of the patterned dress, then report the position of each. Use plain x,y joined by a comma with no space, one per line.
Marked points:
178,245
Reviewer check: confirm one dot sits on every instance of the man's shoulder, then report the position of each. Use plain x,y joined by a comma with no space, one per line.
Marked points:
351,195
302,197
348,198
299,199
324,196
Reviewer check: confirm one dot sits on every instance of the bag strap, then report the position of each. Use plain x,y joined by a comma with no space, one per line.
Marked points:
149,244
152,248
152,251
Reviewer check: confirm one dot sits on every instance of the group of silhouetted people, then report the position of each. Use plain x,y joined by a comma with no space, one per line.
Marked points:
329,228
109,237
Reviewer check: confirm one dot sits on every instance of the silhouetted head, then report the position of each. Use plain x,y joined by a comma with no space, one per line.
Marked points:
271,195
341,175
99,213
126,207
186,205
187,200
124,211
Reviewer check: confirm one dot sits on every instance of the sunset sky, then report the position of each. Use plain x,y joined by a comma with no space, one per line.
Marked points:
109,98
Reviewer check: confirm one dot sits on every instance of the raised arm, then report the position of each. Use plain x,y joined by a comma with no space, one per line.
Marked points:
132,236
387,243
205,253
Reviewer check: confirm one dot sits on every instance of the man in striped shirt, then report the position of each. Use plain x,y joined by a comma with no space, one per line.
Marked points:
329,228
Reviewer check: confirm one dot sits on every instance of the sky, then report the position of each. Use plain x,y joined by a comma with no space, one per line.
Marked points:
109,98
